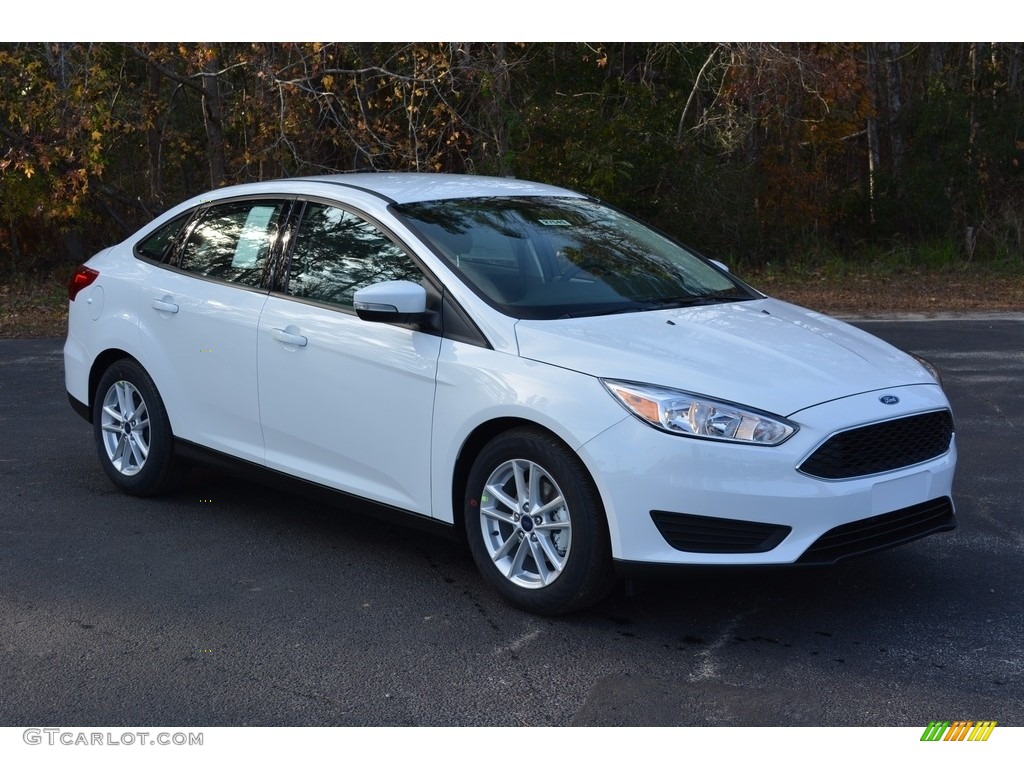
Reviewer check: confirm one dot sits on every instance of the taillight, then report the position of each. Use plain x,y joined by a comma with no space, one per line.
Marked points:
83,278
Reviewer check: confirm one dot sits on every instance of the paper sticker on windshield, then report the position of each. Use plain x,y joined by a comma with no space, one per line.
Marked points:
554,222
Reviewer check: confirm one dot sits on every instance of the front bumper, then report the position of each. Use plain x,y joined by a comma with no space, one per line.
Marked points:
640,471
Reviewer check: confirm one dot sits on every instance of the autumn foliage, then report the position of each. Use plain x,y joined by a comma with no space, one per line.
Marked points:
748,151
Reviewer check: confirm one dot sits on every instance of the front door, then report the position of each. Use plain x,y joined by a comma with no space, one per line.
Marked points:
344,402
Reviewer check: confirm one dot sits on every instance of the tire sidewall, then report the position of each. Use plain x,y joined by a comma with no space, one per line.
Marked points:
154,475
586,575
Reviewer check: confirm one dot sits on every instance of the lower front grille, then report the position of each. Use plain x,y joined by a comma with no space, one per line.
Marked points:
881,532
717,535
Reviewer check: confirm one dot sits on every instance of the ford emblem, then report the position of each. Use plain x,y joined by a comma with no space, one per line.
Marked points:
888,399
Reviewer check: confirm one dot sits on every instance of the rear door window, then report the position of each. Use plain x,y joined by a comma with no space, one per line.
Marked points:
233,241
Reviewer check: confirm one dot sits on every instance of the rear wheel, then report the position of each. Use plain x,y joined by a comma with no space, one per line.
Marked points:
132,431
535,524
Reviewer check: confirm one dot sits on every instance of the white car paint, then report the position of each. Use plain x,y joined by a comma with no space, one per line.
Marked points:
325,406
766,352
199,338
384,412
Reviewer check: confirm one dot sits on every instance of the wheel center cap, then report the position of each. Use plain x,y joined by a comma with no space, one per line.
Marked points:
127,427
526,522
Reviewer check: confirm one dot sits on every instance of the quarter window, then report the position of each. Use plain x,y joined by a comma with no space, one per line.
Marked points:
157,245
336,253
233,241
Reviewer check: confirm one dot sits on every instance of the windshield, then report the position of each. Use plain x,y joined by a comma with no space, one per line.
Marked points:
552,257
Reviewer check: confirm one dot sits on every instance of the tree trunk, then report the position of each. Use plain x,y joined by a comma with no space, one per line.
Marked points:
936,63
498,106
874,159
212,119
972,133
153,141
894,87
1013,66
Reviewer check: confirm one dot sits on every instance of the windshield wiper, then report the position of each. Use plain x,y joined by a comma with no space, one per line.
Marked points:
675,302
660,302
605,311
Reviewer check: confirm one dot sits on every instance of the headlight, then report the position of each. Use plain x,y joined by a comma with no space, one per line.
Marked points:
684,413
928,367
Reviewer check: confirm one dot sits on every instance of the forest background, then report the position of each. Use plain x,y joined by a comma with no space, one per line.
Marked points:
850,177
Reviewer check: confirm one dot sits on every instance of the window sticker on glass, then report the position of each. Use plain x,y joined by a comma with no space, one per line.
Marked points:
254,237
554,222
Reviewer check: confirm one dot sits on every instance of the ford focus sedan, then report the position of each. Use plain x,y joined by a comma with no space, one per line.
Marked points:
575,393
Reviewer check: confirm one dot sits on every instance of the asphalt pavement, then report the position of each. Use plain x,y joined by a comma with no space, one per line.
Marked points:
230,604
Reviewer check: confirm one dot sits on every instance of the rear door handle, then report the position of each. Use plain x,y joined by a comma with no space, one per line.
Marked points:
162,305
288,338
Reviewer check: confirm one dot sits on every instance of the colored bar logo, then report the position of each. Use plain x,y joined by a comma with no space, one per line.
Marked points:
959,730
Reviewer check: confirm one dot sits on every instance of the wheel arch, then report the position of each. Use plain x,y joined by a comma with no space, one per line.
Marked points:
481,436
103,361
150,466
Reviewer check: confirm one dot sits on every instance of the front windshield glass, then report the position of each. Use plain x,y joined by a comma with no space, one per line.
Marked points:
552,257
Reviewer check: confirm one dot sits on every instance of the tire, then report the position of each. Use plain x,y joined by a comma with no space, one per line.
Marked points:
132,431
535,524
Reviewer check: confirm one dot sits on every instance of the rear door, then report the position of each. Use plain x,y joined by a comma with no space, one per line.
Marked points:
198,319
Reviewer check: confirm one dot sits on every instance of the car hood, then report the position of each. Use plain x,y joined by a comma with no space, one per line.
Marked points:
762,353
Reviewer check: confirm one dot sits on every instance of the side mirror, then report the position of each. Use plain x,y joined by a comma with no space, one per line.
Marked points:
719,264
393,301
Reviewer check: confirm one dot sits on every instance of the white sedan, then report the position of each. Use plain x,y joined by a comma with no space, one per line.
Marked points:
575,392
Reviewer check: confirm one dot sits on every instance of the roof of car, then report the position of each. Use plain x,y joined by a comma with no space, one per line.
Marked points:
417,187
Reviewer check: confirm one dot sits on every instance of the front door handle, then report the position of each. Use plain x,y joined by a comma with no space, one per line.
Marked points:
288,338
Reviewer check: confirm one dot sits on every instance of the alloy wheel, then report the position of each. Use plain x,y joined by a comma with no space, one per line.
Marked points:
526,525
125,428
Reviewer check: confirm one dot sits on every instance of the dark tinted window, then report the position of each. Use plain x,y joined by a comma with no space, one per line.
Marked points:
336,253
157,245
233,241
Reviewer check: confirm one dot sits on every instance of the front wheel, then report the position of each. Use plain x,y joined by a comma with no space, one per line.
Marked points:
535,524
132,431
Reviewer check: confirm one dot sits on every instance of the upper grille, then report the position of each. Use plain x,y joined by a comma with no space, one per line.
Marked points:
882,447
